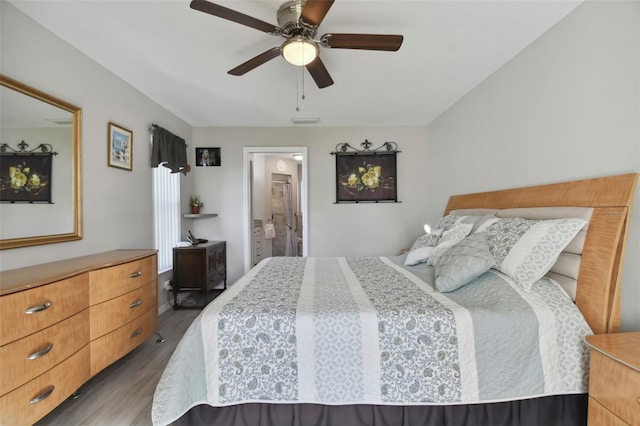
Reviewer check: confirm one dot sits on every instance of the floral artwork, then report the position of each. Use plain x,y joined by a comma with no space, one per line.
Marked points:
366,177
25,178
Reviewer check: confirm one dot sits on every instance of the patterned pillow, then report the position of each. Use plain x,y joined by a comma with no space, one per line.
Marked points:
421,249
479,222
449,239
525,249
446,222
465,261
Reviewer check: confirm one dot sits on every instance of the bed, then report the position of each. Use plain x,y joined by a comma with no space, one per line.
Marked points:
459,331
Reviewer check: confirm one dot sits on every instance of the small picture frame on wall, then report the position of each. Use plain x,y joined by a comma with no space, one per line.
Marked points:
207,157
120,147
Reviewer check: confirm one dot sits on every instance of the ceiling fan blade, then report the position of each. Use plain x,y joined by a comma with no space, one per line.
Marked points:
314,11
363,41
319,73
232,15
255,62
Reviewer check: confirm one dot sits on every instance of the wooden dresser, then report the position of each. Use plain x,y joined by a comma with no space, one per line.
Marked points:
63,322
614,379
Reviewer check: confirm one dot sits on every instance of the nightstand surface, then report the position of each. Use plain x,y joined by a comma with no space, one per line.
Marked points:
623,347
614,379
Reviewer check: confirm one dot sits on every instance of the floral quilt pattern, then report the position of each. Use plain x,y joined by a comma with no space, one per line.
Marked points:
418,343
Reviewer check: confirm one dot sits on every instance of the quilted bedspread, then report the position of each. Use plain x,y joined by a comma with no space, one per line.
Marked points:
372,331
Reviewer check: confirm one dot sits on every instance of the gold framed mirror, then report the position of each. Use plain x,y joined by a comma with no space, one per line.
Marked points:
31,117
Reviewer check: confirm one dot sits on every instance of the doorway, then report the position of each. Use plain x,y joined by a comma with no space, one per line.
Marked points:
284,210
266,171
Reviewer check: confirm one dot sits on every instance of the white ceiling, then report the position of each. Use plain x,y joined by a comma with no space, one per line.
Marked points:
179,57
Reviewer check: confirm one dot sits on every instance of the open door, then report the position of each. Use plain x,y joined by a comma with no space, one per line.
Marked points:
260,162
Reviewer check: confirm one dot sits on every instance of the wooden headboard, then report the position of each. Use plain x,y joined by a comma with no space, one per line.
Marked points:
598,291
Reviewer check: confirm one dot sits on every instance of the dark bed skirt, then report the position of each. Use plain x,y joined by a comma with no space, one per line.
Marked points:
562,410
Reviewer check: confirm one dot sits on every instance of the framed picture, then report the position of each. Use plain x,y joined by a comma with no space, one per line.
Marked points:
206,157
25,178
366,177
120,147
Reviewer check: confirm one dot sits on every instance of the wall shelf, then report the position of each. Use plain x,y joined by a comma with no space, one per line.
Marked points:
199,215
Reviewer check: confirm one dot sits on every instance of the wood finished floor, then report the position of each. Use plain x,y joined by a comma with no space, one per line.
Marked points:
122,393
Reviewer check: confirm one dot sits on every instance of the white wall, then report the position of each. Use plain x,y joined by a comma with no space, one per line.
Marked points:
117,203
567,107
334,229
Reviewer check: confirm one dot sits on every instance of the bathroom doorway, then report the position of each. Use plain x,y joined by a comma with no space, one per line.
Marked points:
284,211
275,196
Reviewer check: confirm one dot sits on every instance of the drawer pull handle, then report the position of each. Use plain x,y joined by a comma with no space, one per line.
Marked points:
38,308
43,395
136,333
136,274
41,352
136,304
638,400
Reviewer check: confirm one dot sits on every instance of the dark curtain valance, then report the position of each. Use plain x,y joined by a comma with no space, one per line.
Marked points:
169,150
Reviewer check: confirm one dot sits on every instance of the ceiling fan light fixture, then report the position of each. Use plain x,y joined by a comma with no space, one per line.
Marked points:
299,51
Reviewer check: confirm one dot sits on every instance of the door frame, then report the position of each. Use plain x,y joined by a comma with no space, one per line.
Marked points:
246,180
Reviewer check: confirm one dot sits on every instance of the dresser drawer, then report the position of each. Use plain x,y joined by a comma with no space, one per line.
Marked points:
615,386
32,401
107,283
28,311
600,416
111,347
114,313
31,356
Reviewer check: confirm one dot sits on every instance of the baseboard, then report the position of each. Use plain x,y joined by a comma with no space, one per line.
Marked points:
164,308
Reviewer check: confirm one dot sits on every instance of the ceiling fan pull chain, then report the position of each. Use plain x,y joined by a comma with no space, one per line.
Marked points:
302,68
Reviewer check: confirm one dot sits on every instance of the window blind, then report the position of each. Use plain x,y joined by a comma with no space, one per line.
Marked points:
166,207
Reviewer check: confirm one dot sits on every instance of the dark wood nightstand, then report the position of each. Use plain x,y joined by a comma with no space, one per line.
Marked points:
614,379
196,271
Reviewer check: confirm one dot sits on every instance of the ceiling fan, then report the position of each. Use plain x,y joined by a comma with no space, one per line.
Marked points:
298,22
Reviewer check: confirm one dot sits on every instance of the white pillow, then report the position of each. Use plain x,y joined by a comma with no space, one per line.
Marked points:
421,249
449,238
525,249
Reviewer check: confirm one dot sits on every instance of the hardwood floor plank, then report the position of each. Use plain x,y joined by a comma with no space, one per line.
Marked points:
122,394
